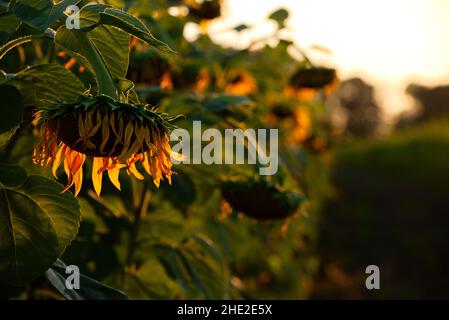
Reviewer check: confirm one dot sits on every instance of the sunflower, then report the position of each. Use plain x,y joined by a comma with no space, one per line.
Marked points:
303,125
202,81
117,135
240,83
259,199
204,10
305,83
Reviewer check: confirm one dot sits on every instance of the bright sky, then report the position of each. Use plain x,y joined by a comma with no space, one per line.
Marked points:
390,43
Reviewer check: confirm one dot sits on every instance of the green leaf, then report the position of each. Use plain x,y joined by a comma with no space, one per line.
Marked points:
37,223
150,281
41,14
9,23
223,102
197,267
182,193
47,82
11,175
134,26
279,16
124,85
3,76
90,289
58,9
5,137
93,16
14,43
11,107
112,43
163,222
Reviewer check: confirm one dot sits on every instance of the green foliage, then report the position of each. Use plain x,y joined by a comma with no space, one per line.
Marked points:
17,42
41,14
46,82
112,44
393,193
197,267
224,102
12,108
89,289
133,26
181,241
150,281
38,224
5,137
9,23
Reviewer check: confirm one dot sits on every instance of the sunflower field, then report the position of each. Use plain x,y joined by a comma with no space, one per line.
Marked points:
87,172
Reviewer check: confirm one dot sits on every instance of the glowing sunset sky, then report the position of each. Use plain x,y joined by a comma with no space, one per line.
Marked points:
390,43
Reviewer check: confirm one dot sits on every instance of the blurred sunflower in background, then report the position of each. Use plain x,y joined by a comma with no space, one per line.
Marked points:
117,135
259,199
302,127
305,83
205,11
240,83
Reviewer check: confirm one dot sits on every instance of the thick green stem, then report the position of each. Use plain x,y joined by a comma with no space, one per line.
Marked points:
104,79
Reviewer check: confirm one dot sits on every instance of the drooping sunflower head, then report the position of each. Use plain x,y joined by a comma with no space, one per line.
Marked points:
260,199
205,9
305,82
115,134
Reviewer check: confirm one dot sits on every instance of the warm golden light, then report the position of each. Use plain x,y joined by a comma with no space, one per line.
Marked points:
389,43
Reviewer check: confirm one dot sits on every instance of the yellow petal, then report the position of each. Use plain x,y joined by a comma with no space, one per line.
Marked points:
114,175
96,176
132,169
146,164
78,181
157,182
68,163
168,176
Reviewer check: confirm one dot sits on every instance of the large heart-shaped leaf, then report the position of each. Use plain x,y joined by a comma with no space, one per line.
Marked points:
47,82
37,223
197,267
41,14
11,107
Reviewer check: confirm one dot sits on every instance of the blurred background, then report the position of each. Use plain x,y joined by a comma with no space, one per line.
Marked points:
360,93
389,117
390,164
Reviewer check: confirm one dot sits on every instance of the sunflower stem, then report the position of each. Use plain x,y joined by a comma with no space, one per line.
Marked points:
140,211
103,76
